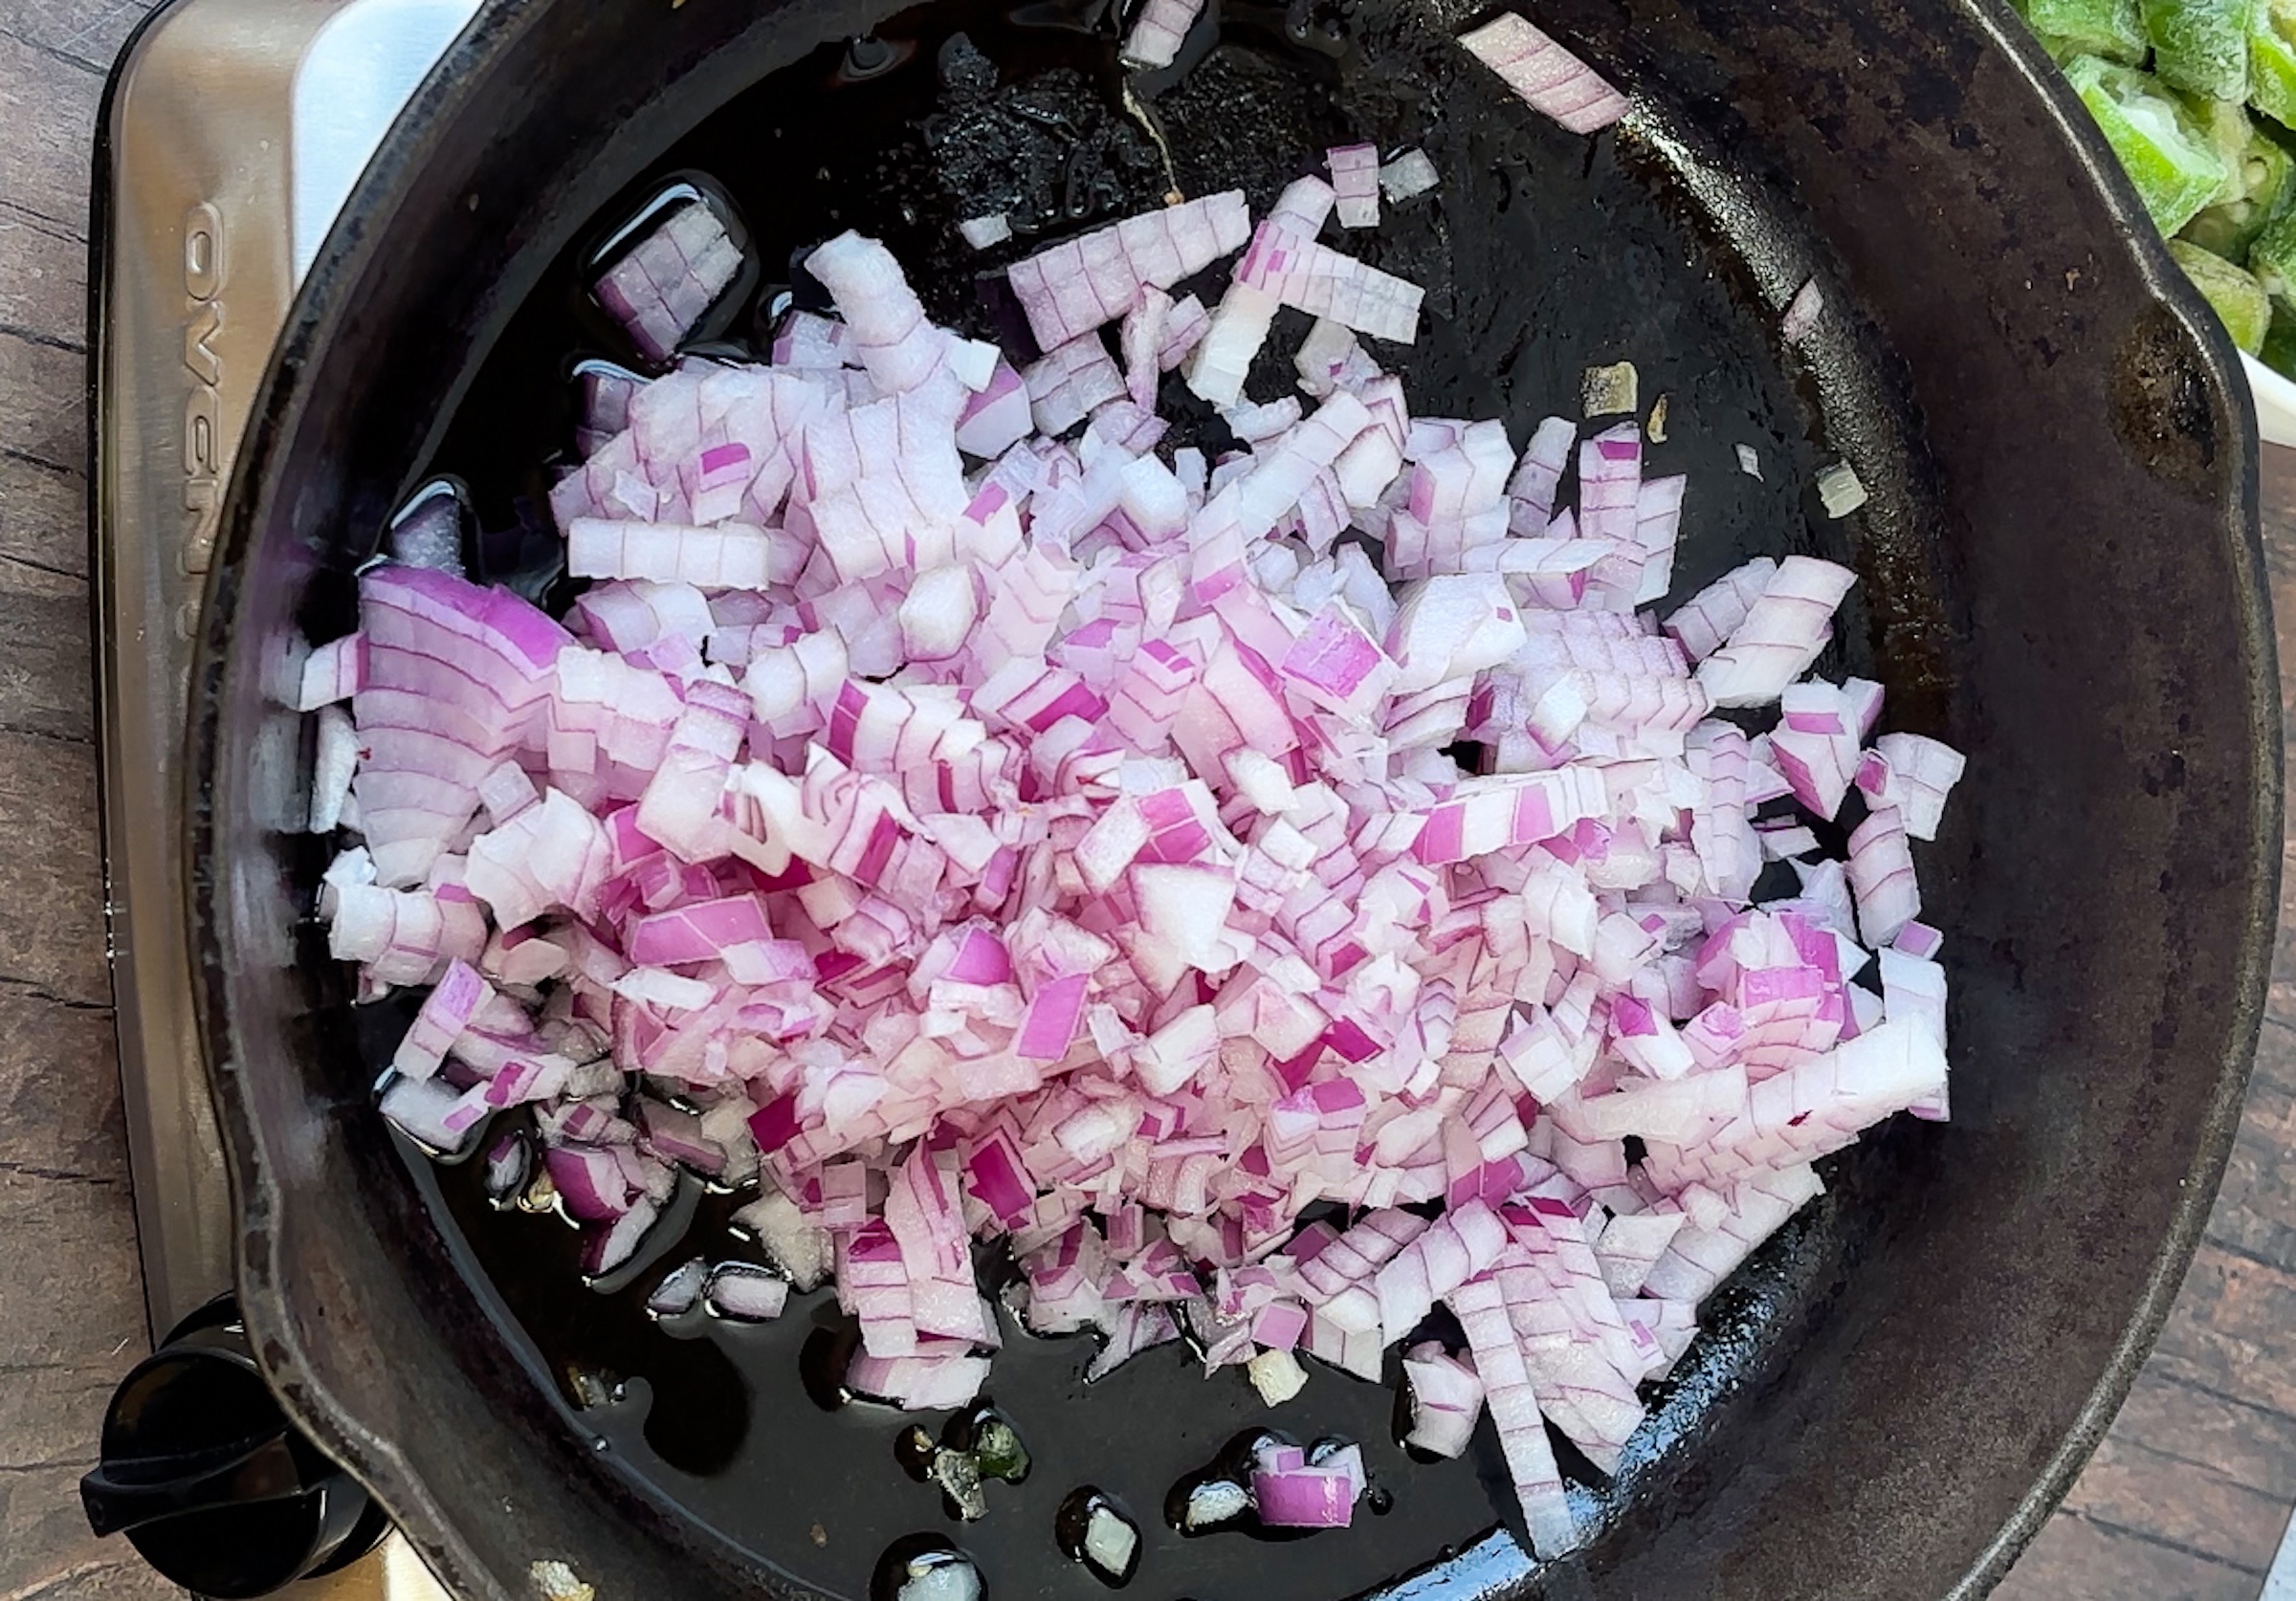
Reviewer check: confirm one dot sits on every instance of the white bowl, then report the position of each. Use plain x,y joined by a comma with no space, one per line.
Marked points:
2275,402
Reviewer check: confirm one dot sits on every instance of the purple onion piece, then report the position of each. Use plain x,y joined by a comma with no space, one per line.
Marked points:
681,1290
607,1246
743,1292
509,1165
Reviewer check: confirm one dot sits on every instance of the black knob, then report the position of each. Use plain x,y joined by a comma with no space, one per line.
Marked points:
207,1479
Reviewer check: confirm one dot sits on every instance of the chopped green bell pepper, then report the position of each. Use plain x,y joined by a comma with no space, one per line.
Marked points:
2272,257
2225,124
2201,46
2272,62
2060,50
2113,28
2168,157
2279,343
2239,299
2229,228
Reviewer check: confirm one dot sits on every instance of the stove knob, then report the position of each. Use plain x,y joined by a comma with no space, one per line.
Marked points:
207,1479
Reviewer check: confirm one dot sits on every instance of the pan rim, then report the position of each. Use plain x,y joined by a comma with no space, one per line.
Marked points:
327,299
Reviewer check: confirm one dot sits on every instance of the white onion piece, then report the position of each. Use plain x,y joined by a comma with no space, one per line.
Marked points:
1839,487
1409,174
984,232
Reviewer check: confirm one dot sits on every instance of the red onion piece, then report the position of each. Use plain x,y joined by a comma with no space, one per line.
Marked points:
1355,170
1157,31
1802,313
742,1293
1547,77
1305,1498
662,286
1065,845
1076,286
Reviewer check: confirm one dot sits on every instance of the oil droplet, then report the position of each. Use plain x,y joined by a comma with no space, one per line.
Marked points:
992,1439
679,1290
822,1363
433,529
914,1449
925,1568
1092,1530
593,1388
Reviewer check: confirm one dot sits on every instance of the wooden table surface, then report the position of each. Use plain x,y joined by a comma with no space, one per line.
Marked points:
2185,1501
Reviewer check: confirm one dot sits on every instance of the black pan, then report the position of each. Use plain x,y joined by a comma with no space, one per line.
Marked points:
2060,575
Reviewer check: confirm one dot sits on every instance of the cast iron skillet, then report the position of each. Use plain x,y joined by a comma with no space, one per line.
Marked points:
2060,575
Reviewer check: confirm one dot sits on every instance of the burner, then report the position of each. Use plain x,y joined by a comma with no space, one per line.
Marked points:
232,131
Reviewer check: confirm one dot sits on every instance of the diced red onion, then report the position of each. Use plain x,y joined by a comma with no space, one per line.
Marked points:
1912,773
1802,313
1355,170
1157,31
1075,286
1780,634
333,671
608,1245
742,1293
1068,850
888,332
1498,1362
1285,264
1305,1497
1446,1398
918,1383
1547,77
681,1290
332,768
1881,875
1069,380
665,283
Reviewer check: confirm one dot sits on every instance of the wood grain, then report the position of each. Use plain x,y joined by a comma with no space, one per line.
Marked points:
2184,1501
71,1317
